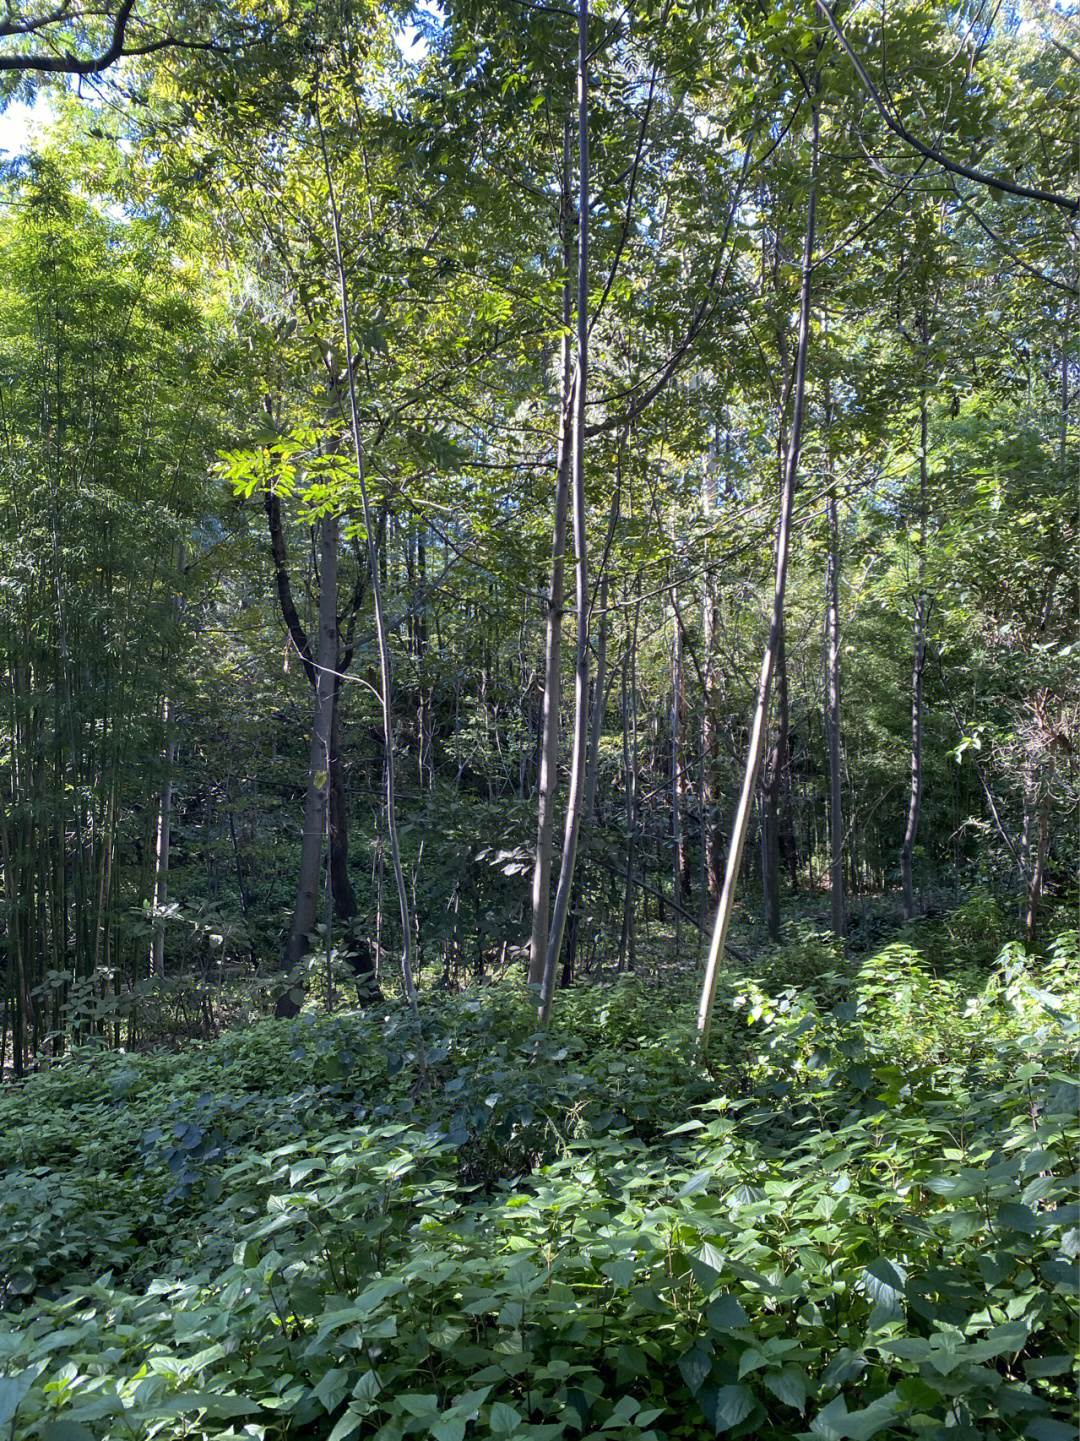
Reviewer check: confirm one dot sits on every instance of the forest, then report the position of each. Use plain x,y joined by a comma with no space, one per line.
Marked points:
539,707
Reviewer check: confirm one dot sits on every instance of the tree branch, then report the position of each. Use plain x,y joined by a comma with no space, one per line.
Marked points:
1048,197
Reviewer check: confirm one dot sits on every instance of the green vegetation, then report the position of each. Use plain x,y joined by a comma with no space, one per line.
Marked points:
858,1219
539,720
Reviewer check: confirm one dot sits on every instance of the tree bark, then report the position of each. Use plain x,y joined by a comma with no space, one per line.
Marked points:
382,637
162,841
305,908
1031,916
578,758
911,827
629,716
710,714
770,801
832,719
768,663
547,775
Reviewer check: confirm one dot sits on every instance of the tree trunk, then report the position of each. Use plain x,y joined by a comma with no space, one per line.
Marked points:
382,637
1031,917
770,802
629,716
547,778
710,713
680,774
578,757
911,827
162,838
768,663
305,908
832,719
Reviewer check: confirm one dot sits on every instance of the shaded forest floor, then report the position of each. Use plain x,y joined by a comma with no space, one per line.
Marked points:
857,1217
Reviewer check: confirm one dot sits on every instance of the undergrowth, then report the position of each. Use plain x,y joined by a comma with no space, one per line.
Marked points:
856,1219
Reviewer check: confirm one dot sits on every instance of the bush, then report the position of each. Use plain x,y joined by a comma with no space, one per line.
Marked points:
866,1228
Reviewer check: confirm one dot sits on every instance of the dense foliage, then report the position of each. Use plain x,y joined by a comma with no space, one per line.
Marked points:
538,548
858,1219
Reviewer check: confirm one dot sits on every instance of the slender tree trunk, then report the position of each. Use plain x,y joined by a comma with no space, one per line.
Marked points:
768,663
547,779
382,637
1024,859
832,719
1031,916
305,909
344,897
911,827
629,715
597,711
710,730
578,757
770,802
680,776
162,838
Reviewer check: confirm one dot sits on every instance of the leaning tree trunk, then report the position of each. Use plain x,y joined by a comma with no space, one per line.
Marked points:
783,540
548,763
770,801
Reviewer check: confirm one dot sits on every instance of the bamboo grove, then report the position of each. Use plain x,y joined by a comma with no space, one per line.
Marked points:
506,489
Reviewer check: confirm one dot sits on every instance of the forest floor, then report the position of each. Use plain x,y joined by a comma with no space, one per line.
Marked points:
855,1217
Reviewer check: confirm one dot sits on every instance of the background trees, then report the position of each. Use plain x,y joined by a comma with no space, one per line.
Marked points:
185,680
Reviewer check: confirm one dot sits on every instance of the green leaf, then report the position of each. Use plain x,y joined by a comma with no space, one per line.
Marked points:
333,1387
347,1424
726,1314
1048,1365
829,1421
695,1366
448,1427
420,1404
880,1414
504,1420
1042,1428
883,1283
733,1404
12,1391
788,1385
695,1184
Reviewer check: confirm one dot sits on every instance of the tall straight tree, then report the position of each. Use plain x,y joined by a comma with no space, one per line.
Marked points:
547,781
579,753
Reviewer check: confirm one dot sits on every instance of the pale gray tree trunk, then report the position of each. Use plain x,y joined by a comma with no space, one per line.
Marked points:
1034,890
832,718
710,737
783,539
162,838
578,757
911,826
547,769
627,956
163,830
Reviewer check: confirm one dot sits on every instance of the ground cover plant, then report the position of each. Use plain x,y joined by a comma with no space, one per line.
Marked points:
858,1218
